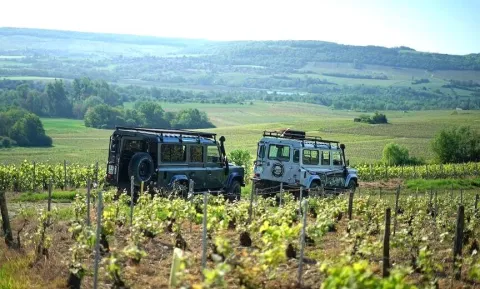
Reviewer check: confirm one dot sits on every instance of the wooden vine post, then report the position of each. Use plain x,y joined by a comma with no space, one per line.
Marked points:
397,195
88,202
34,186
302,241
7,230
96,172
250,208
386,244
204,232
132,189
458,243
97,240
350,204
476,205
64,175
281,194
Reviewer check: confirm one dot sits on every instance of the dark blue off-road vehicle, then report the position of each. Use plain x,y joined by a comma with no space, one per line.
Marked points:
170,159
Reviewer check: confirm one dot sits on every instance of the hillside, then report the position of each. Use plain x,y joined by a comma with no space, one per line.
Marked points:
341,76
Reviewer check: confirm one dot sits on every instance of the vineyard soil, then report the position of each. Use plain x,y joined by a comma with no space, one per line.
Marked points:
423,241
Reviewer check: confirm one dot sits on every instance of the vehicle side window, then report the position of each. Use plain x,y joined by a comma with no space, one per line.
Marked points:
310,157
296,156
279,152
325,158
133,145
173,153
337,158
213,155
196,154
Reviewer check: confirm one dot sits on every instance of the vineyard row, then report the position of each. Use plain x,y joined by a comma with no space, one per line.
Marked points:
31,176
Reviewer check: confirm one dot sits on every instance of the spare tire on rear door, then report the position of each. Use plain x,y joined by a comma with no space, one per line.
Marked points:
141,168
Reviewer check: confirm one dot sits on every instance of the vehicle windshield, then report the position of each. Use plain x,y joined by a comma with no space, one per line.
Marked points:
261,151
279,152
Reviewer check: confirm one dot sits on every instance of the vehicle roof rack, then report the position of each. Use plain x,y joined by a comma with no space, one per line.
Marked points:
180,132
297,135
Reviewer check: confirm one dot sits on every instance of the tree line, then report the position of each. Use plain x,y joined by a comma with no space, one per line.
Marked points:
145,114
73,98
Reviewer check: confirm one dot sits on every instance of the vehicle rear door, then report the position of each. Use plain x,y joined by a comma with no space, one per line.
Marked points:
279,161
113,158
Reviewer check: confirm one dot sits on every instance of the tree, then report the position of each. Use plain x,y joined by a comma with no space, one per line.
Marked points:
379,118
191,118
24,128
58,104
152,114
104,116
241,158
456,145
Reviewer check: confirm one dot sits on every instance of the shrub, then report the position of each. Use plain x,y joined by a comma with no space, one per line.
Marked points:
6,142
395,154
241,158
377,118
457,145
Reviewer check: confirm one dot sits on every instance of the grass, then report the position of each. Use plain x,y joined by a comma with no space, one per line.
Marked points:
14,272
58,197
243,125
443,184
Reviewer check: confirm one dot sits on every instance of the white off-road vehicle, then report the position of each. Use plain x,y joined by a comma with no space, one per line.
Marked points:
295,160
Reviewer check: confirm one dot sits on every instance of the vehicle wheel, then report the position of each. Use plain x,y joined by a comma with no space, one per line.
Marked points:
315,189
141,168
182,190
234,192
352,186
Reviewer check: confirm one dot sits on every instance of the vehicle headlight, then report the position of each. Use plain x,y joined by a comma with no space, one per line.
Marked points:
259,170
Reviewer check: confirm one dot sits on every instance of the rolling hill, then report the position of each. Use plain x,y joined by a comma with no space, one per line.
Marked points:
342,76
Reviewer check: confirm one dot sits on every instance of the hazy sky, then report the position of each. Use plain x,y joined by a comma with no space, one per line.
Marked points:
446,26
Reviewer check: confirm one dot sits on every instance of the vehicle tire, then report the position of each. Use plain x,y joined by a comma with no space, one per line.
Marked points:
278,170
182,189
315,189
141,168
234,192
352,186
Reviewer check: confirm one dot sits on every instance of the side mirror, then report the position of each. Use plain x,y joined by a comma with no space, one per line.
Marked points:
226,165
348,163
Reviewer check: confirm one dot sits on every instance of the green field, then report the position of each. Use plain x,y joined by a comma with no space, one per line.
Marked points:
243,125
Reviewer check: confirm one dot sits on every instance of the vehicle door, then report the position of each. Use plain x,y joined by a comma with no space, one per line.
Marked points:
196,166
215,168
338,173
328,175
292,169
311,159
173,162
